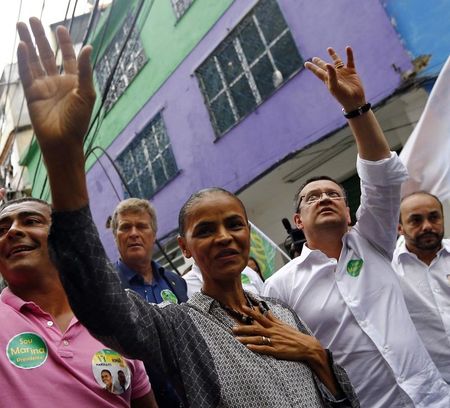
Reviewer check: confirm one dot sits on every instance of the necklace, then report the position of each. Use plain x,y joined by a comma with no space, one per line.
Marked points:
243,318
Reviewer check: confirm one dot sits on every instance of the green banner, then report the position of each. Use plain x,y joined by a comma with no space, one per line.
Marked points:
264,250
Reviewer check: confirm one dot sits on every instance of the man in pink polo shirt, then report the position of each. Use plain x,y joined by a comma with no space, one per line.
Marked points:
47,358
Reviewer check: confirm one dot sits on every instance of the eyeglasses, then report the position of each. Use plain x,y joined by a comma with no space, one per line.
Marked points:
316,196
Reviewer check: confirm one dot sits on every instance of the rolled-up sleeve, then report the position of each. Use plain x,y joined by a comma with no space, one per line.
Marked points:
379,210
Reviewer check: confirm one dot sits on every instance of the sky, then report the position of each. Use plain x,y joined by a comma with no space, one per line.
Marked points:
54,11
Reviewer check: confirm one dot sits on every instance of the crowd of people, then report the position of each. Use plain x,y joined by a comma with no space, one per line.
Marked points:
351,321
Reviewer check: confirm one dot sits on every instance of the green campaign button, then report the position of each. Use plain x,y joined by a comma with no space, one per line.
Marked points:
169,296
27,350
245,279
354,267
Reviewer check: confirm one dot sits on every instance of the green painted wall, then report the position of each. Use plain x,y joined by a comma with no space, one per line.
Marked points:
166,42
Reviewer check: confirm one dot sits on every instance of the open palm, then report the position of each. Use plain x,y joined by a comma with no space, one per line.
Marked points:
60,105
342,80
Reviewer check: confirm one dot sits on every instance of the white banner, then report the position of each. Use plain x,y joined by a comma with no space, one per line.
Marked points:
426,154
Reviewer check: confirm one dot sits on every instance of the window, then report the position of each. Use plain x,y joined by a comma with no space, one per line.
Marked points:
148,163
132,60
251,63
180,7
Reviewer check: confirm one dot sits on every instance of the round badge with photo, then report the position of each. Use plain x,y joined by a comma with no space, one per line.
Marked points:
111,371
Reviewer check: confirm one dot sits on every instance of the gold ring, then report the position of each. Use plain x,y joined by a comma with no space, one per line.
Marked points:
266,341
338,64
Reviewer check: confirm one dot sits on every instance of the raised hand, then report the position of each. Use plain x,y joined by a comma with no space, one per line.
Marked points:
60,105
341,79
345,85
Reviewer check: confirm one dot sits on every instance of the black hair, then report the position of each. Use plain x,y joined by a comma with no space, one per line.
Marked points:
297,197
24,200
198,195
420,192
258,268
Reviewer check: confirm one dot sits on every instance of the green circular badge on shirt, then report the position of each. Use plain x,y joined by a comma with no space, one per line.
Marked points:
354,267
169,296
27,350
245,279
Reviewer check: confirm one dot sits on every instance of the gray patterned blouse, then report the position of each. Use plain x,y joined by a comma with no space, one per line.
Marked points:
191,344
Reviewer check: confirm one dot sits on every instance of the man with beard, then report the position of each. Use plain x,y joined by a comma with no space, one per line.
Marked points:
422,262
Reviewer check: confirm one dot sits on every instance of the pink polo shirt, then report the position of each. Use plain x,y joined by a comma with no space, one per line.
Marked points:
42,367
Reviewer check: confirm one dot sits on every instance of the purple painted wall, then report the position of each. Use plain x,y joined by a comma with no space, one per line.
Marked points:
300,113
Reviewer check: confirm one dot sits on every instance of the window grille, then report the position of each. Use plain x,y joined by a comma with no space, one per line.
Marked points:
148,163
180,7
174,253
248,66
132,60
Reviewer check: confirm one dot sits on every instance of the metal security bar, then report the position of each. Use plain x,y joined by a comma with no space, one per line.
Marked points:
131,62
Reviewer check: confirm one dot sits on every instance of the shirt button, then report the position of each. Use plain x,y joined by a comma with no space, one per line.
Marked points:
65,342
385,349
401,379
436,290
49,323
363,323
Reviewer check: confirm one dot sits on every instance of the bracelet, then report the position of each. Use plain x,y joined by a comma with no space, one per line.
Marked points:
357,112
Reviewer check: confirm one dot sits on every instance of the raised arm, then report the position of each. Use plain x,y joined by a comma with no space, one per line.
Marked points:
345,85
60,107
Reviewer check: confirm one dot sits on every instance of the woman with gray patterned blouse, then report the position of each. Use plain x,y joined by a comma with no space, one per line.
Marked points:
225,347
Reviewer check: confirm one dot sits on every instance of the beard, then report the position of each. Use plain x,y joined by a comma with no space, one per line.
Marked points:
428,241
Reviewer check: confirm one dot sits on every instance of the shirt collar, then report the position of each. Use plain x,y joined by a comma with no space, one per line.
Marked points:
14,301
17,303
402,251
307,253
131,274
446,245
206,303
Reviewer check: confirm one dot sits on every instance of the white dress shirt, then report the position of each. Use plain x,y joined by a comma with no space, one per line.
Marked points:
251,281
427,294
355,305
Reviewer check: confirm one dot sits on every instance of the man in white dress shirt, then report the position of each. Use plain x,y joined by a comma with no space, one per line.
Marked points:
342,284
422,262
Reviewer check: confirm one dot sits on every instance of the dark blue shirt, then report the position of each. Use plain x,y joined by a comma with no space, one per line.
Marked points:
166,285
